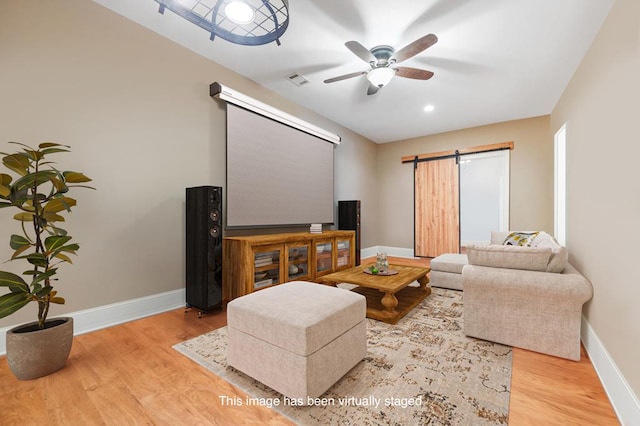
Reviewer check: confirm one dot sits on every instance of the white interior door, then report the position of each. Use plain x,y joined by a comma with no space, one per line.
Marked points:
484,195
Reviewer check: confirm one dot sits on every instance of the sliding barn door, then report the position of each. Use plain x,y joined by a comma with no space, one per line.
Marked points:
437,211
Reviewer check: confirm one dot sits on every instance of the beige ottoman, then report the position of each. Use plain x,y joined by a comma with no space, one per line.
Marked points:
446,271
298,338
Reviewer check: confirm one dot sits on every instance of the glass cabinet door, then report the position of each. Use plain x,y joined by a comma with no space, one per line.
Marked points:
297,262
324,257
266,267
343,258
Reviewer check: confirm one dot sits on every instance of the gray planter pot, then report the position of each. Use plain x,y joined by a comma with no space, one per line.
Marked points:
33,353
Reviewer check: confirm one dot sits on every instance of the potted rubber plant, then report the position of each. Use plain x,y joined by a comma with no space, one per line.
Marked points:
39,197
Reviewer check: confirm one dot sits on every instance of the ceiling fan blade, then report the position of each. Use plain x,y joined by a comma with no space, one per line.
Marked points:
344,77
360,51
416,47
415,73
372,90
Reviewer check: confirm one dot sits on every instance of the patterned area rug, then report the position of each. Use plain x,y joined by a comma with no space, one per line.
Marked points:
423,370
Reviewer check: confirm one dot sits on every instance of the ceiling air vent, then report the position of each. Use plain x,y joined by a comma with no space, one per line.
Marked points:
298,79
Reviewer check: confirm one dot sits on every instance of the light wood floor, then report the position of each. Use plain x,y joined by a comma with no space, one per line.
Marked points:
130,375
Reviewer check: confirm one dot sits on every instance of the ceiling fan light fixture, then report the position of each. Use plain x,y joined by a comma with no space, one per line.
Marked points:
380,77
382,58
239,12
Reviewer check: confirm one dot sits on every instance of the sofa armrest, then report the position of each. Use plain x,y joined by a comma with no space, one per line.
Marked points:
534,310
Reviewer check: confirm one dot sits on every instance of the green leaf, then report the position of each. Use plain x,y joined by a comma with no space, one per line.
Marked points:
11,302
56,242
52,217
58,231
75,177
44,145
63,257
43,291
5,189
18,241
59,185
34,179
59,204
18,197
5,179
24,217
19,163
19,244
48,151
16,254
43,276
70,248
36,259
7,279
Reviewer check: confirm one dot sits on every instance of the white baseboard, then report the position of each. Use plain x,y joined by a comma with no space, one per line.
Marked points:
117,313
624,401
391,251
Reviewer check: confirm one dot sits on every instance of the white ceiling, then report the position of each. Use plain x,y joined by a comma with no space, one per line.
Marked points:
496,60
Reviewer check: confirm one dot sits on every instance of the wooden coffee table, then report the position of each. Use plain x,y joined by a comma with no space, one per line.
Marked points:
397,300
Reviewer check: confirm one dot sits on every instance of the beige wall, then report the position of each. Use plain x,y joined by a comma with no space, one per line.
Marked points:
600,109
136,110
531,194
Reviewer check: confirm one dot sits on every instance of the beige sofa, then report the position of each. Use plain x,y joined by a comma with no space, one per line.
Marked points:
525,296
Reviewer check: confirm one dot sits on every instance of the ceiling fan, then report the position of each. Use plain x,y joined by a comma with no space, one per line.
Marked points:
382,60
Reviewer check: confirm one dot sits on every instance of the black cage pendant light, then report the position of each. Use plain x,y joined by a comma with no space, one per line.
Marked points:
247,22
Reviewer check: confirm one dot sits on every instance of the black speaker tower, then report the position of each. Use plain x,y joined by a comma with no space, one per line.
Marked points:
204,247
349,220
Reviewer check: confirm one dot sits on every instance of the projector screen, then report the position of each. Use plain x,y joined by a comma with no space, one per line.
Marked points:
276,175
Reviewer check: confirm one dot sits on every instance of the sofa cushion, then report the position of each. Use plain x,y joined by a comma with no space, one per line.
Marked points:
511,257
450,262
559,256
498,237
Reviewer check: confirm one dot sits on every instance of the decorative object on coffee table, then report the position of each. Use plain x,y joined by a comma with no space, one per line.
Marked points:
382,263
372,270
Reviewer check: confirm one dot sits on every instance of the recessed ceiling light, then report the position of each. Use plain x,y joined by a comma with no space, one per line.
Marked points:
429,108
239,12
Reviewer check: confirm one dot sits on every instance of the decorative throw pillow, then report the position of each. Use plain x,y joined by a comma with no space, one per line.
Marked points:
498,237
523,239
559,256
